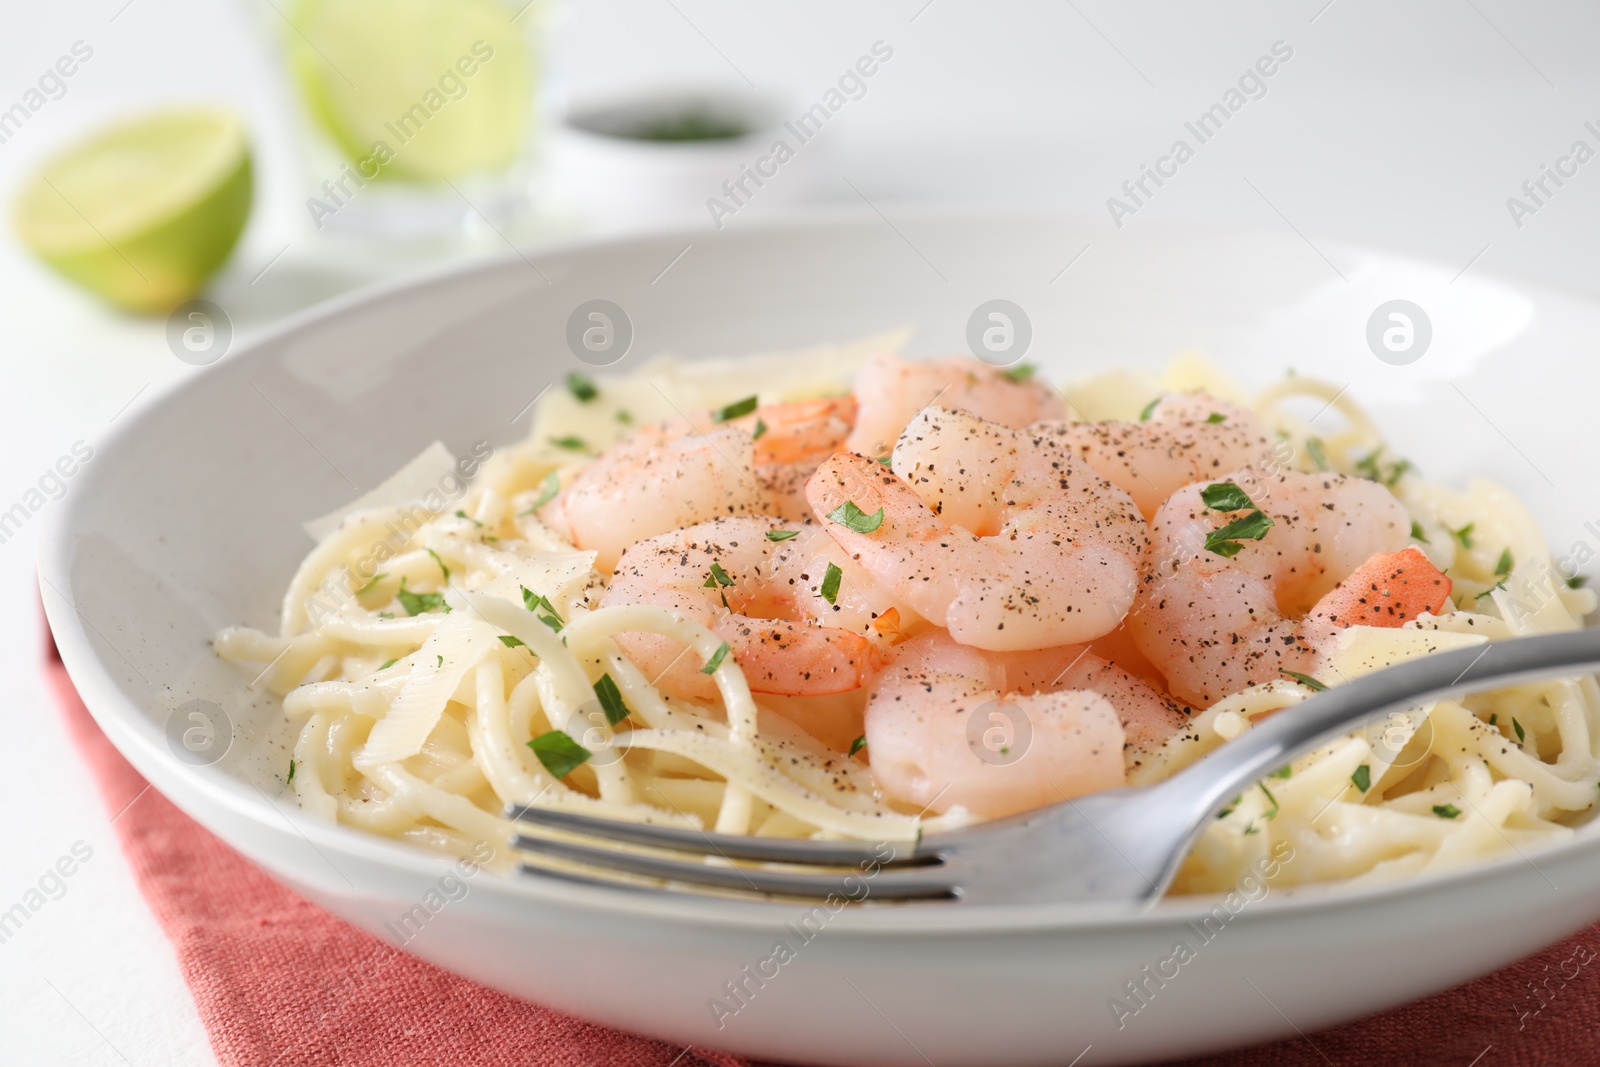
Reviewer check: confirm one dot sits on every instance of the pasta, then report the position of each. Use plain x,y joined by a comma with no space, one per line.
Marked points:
444,653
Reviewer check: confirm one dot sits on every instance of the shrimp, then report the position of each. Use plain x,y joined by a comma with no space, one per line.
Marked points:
892,390
686,471
1214,624
1004,539
780,624
999,733
1188,437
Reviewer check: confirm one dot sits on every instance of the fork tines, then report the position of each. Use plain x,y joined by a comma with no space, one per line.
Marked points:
853,870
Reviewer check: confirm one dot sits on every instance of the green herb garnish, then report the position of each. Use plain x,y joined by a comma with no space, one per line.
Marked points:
1362,778
716,659
1225,496
463,515
884,461
1464,535
547,493
734,410
853,518
1417,534
1021,372
417,603
1503,565
830,583
1225,540
718,576
440,562
386,666
1521,733
560,754
761,428
536,603
1577,581
1282,772
1446,811
610,699
858,744
570,443
1148,410
441,661
624,416
781,535
1305,680
374,580
1274,800
1216,417
290,780
582,388
512,642
1319,458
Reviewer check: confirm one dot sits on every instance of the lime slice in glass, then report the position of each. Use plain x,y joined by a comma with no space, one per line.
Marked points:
143,212
423,90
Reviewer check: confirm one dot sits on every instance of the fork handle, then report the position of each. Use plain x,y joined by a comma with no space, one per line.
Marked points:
1222,774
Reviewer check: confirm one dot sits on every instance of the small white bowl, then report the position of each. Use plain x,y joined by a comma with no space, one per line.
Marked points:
601,163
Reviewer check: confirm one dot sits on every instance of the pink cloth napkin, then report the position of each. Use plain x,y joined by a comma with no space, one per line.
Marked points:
270,976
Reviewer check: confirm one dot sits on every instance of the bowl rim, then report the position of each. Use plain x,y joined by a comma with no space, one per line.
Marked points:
138,738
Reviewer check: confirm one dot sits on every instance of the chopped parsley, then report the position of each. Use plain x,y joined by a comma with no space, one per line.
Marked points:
781,535
1577,581
512,642
1494,717
853,518
581,387
547,493
570,443
1226,540
417,603
1305,679
374,580
463,515
624,416
1282,772
441,661
1446,811
884,461
1226,496
1464,535
386,666
1521,733
830,583
1216,417
1314,449
858,744
1020,373
716,659
1227,811
1501,584
718,576
560,754
1417,533
1503,565
440,562
1149,410
1272,799
1362,778
290,779
610,699
536,603
734,410
1389,474
760,430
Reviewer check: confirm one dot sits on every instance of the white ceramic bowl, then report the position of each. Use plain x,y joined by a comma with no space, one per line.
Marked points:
189,519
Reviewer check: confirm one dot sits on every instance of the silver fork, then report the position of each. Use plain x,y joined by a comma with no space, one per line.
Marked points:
1121,847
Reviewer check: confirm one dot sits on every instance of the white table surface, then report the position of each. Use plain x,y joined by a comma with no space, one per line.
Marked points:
1408,129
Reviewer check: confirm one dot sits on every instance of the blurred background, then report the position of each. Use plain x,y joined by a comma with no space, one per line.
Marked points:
1420,127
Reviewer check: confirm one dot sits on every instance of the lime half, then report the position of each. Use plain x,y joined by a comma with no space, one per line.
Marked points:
145,211
417,89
